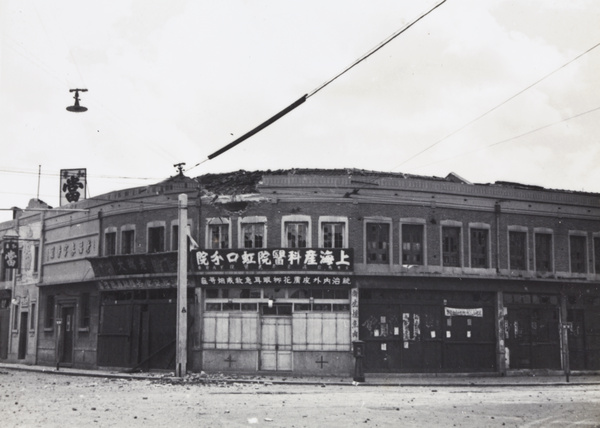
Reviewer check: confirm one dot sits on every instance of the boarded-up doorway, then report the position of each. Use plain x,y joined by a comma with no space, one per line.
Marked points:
276,338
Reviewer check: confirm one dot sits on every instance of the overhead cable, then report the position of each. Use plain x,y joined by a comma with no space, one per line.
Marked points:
507,140
302,99
496,107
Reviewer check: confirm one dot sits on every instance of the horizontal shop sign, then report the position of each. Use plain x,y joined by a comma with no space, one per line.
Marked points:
252,259
137,283
132,264
278,280
463,312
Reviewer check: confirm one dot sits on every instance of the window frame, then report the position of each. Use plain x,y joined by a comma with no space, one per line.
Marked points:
378,220
296,219
36,258
127,229
518,229
584,257
536,252
155,225
112,232
19,267
221,223
252,221
413,222
446,225
175,235
324,220
596,251
488,245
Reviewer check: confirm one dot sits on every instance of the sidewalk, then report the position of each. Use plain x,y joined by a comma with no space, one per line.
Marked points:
514,379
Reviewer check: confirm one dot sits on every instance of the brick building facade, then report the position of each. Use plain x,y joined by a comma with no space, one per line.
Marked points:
292,267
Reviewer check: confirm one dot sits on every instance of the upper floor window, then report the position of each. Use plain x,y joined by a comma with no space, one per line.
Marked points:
253,235
110,243
451,246
127,241
156,239
412,244
36,258
296,231
219,235
578,253
296,234
175,237
517,248
479,248
543,252
333,234
597,254
7,273
20,261
378,243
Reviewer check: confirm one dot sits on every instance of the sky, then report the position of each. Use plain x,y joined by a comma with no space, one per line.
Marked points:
495,90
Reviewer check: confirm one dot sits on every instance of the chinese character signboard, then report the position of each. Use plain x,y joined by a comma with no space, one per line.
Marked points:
354,314
260,259
72,185
134,264
281,280
10,254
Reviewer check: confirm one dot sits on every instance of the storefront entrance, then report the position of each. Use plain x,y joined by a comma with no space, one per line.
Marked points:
276,342
23,335
583,314
137,329
65,335
4,325
532,331
409,331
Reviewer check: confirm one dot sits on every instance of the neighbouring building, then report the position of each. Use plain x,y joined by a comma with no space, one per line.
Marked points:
18,285
292,267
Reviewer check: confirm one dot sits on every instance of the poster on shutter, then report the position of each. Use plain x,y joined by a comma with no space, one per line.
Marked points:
463,312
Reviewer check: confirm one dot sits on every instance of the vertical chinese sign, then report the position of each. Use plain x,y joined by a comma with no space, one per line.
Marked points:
73,185
354,314
10,254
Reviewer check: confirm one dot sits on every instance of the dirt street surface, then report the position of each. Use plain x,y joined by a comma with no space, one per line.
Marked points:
30,399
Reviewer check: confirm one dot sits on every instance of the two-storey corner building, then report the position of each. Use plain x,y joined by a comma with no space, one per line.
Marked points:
18,285
108,287
434,275
292,267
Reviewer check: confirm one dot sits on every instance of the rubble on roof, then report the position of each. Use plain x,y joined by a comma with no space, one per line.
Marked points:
247,182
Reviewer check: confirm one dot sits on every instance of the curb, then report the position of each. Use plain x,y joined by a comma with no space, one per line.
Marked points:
323,383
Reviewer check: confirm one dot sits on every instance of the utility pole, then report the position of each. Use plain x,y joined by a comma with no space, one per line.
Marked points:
182,257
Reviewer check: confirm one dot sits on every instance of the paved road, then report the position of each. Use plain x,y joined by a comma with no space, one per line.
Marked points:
30,399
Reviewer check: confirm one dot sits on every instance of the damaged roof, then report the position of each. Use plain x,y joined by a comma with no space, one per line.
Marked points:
246,182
